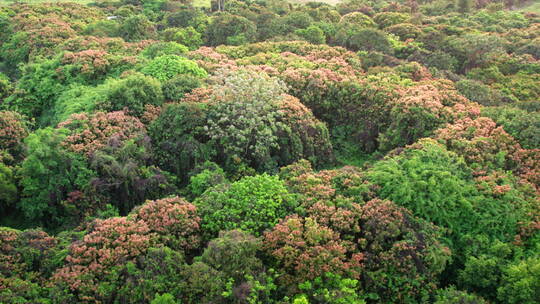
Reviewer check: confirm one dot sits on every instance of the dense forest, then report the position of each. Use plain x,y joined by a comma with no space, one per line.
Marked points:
270,151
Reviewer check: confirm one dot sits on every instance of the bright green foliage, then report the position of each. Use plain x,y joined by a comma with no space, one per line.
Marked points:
133,92
164,48
37,89
484,264
521,282
451,295
205,177
252,204
15,50
387,19
331,289
102,28
165,298
5,87
312,34
167,67
8,188
187,36
437,185
49,174
76,99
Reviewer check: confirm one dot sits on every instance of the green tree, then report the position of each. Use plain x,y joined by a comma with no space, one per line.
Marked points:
167,67
49,174
252,204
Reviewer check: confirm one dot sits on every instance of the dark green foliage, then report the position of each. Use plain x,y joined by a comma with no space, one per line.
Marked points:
159,271
131,93
176,88
230,29
179,138
523,126
478,92
252,204
50,174
125,176
137,27
369,39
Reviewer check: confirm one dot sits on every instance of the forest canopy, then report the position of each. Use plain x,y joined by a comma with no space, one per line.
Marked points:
270,151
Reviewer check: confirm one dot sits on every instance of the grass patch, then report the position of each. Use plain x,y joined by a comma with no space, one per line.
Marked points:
202,3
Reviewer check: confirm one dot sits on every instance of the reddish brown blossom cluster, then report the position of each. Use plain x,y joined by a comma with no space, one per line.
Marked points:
306,250
115,241
13,130
90,132
481,142
15,246
174,220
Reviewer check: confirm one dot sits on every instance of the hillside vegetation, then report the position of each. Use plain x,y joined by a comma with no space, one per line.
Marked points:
237,151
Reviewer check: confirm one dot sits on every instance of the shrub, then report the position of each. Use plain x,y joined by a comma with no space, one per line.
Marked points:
523,126
91,132
451,295
164,48
312,34
125,176
331,289
253,122
131,93
252,204
167,67
187,36
437,185
304,250
8,188
13,130
521,282
234,254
